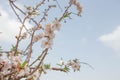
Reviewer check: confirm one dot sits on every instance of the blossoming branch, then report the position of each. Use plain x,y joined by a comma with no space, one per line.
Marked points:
17,63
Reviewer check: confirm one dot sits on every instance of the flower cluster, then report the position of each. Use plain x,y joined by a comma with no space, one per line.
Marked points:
4,66
13,64
9,63
32,12
17,63
78,6
74,64
48,33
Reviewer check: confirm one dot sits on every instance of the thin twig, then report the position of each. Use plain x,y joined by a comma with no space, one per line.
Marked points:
11,4
44,55
58,69
59,5
18,8
30,50
46,11
87,64
66,10
19,35
36,59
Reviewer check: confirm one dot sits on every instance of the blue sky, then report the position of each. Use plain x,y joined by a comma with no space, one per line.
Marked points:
93,38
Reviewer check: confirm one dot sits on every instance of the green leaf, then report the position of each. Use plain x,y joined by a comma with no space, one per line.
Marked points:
66,69
13,48
47,66
23,64
66,15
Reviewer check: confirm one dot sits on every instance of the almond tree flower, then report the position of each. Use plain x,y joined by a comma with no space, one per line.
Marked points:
61,62
77,4
56,25
24,71
28,8
73,2
36,75
24,35
6,66
15,62
10,54
38,27
4,62
75,66
48,32
16,66
31,12
16,58
34,13
79,8
27,70
1,60
48,27
47,43
38,37
21,73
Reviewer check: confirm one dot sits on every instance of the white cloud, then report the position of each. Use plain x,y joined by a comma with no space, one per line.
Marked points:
112,39
9,26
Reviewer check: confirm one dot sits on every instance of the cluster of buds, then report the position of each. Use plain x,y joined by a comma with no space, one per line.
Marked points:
32,12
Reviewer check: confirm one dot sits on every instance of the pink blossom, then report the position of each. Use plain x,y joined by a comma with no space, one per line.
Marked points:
21,73
37,37
56,25
47,43
75,66
48,32
36,75
6,66
73,1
